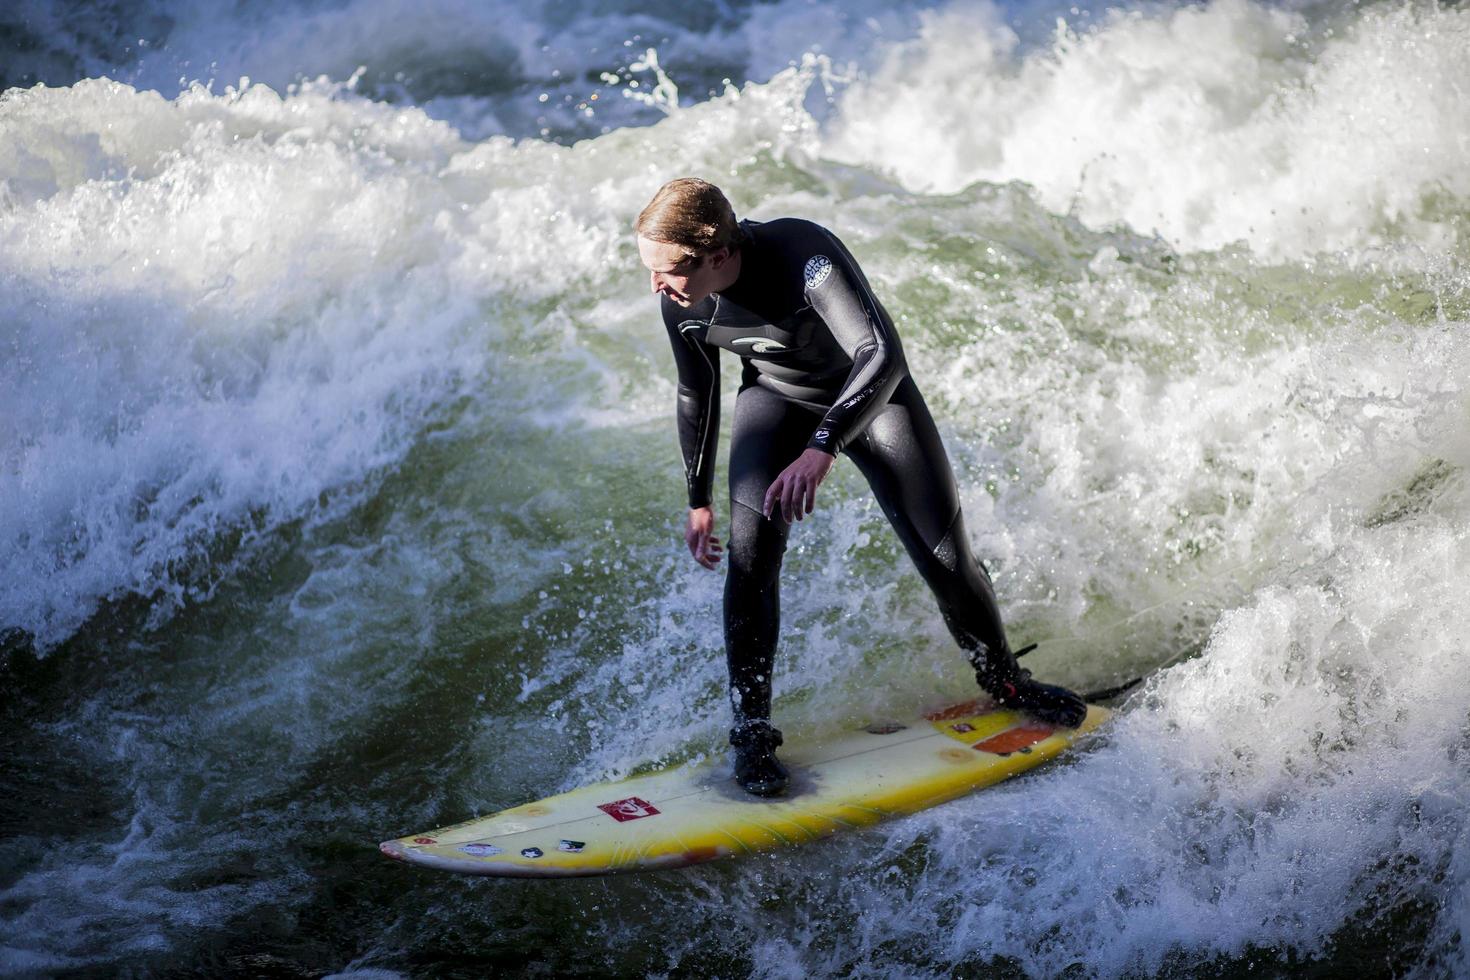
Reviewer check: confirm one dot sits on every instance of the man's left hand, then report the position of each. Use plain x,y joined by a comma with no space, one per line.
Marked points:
794,492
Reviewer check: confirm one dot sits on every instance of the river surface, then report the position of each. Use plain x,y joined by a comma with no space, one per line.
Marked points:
339,492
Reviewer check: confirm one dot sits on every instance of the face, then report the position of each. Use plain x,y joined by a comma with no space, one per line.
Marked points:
683,278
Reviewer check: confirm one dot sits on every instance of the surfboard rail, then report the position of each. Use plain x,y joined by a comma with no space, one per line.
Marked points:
690,814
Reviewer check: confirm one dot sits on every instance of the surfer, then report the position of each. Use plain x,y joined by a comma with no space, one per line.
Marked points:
822,373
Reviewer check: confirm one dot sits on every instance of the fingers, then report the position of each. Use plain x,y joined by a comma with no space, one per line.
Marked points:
705,548
779,496
794,492
790,494
793,496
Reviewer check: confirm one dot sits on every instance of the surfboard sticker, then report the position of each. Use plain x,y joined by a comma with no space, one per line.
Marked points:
690,814
1018,739
630,809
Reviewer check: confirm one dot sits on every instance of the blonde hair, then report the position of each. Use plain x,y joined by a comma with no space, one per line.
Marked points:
692,214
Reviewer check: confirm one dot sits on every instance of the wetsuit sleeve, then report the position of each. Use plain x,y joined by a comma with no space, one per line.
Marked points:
698,406
841,297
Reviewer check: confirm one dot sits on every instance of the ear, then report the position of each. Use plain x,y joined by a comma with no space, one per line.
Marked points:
720,257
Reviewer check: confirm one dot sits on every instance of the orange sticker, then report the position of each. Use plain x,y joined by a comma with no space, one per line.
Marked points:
977,707
1016,739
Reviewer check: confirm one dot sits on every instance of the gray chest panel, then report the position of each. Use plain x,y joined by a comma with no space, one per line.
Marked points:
798,348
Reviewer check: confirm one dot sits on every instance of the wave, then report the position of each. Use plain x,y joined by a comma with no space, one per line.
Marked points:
1208,125
1185,286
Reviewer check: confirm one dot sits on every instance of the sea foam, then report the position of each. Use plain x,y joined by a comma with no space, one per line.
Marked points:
1208,124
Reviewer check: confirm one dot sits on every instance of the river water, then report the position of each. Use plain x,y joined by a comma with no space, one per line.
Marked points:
339,494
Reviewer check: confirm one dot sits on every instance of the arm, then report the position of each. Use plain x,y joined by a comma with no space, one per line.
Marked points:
697,408
841,297
698,416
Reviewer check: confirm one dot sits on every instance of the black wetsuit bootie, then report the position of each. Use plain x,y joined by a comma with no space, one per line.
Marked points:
1012,687
757,769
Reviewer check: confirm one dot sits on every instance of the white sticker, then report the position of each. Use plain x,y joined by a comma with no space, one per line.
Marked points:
818,267
481,850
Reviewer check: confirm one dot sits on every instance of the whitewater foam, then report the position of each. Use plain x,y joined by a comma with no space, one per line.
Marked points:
285,290
1225,122
377,414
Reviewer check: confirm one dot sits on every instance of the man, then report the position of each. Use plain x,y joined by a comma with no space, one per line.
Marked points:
822,373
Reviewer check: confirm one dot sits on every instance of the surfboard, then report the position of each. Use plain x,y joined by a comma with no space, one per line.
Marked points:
689,814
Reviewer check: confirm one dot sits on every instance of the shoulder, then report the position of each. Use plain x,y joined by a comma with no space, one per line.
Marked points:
794,234
808,249
675,316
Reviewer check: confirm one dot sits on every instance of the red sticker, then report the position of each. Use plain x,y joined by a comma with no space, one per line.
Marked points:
978,706
630,809
424,840
1016,740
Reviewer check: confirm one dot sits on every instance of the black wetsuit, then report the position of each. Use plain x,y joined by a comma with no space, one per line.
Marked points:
822,367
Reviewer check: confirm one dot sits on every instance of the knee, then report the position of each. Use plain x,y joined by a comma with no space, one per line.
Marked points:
757,545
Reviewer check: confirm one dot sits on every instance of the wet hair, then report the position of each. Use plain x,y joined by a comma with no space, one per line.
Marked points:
692,214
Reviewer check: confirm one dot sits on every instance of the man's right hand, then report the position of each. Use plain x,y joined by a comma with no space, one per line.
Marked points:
699,535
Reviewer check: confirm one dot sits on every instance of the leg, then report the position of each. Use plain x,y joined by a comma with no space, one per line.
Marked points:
905,464
752,608
769,433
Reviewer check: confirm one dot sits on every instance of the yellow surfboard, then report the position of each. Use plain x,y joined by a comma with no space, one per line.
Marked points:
694,813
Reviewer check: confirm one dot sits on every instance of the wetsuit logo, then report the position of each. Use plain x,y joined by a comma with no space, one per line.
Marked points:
759,345
818,267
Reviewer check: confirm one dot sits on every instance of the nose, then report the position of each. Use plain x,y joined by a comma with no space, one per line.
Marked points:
653,281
